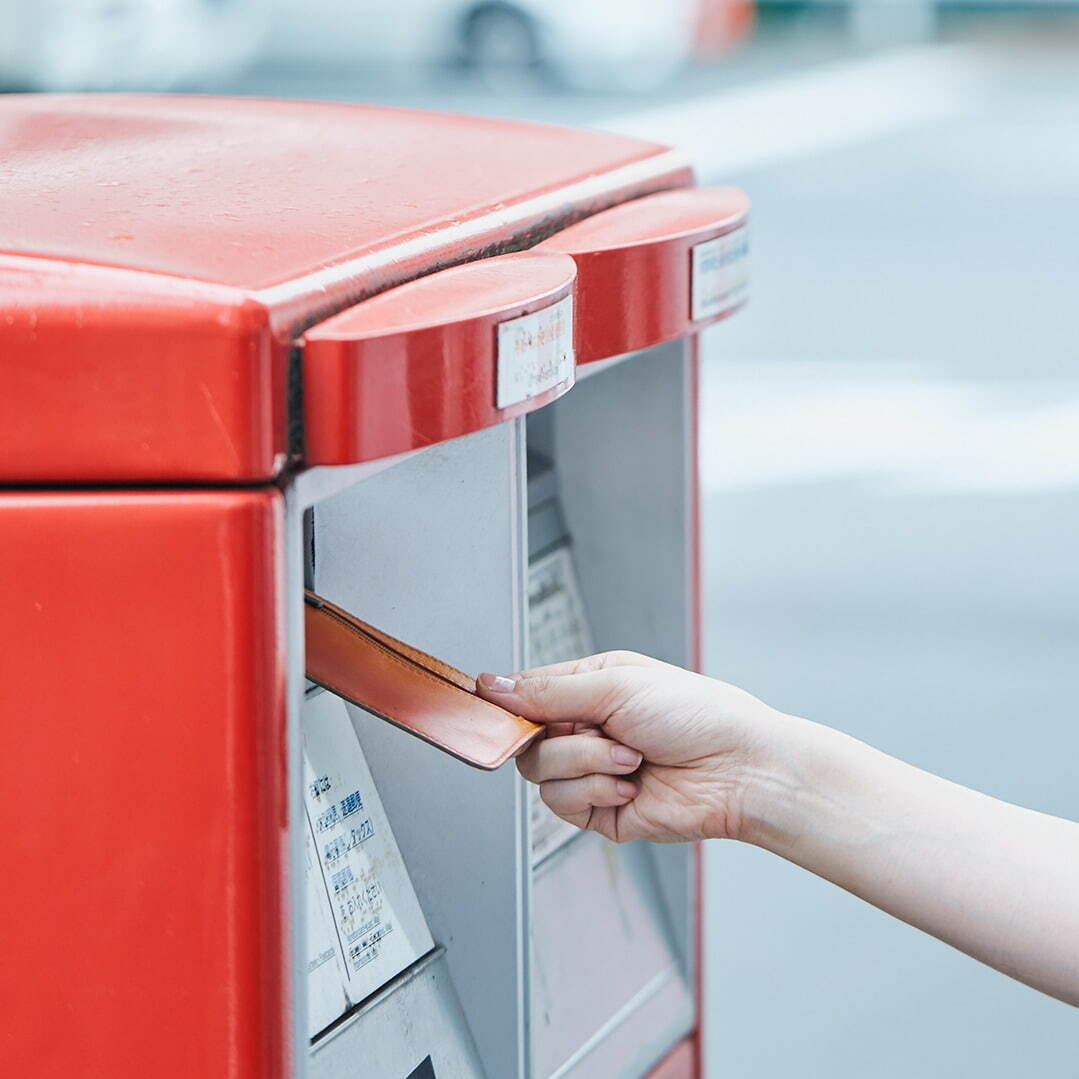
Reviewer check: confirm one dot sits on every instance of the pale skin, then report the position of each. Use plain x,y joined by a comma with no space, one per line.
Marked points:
639,749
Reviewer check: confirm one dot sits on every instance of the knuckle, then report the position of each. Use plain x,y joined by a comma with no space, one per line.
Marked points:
619,686
587,664
534,686
602,661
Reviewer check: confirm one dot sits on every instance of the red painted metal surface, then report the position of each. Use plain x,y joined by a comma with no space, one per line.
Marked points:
113,376
634,267
159,254
682,1062
142,693
253,193
417,364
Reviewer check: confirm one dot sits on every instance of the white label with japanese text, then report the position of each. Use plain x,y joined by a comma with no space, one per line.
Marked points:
535,353
365,924
720,274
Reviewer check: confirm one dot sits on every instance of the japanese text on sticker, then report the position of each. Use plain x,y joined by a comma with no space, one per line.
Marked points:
535,353
720,274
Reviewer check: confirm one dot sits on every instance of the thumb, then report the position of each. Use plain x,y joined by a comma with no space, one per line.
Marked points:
589,697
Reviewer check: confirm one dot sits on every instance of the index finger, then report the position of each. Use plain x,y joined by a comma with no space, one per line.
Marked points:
598,662
587,698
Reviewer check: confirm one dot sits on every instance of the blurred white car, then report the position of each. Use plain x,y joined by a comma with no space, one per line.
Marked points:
586,44
125,44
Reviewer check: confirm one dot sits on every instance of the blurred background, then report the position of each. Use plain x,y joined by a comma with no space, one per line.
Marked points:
890,430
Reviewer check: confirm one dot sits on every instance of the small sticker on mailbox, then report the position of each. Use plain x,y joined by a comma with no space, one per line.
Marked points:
720,274
535,353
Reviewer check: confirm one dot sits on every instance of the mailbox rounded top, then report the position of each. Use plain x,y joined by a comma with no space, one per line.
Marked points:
254,193
440,357
160,254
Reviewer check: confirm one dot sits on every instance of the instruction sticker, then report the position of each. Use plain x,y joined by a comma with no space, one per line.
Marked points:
365,924
535,353
720,274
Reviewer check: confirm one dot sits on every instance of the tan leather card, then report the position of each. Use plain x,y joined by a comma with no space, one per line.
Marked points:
407,687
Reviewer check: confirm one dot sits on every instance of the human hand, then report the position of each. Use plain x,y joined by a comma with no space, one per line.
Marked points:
701,759
638,749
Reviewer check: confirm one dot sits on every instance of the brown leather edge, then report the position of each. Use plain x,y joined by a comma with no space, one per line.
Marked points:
423,659
435,666
483,766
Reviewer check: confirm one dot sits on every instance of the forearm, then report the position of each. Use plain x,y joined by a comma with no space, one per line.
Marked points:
994,880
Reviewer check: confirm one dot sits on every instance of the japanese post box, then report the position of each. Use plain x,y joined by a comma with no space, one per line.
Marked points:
268,360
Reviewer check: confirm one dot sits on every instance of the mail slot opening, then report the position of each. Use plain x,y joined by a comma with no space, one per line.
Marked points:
426,550
611,531
542,539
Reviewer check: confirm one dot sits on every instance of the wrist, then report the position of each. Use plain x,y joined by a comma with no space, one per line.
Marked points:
792,766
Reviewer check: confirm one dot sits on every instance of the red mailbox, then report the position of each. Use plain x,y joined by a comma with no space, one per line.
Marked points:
254,345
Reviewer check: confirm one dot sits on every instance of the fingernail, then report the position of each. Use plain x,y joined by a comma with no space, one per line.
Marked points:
625,756
625,789
496,683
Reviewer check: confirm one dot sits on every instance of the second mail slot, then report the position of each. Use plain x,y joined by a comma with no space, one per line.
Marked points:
523,432
423,544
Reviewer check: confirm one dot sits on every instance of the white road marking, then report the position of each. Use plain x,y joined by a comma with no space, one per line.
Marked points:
905,429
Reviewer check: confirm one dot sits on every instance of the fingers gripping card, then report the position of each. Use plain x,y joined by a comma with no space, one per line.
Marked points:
365,924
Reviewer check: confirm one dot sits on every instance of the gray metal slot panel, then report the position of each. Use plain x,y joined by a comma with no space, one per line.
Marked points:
611,995
620,448
416,1015
639,1037
546,528
676,869
431,551
542,480
619,444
